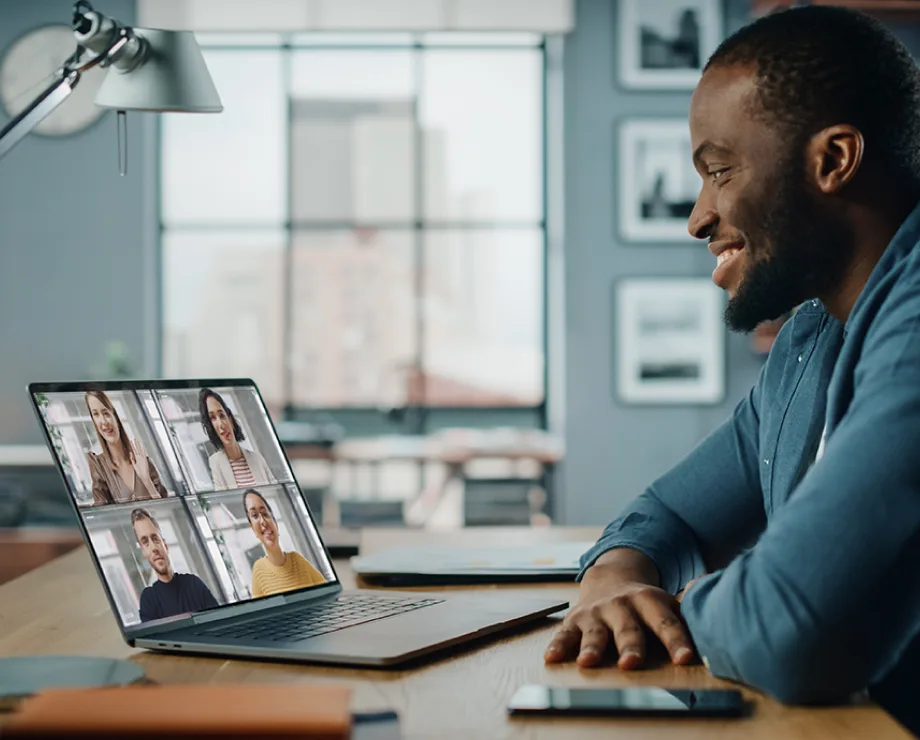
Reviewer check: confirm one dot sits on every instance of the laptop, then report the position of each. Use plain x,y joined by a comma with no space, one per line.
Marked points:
205,544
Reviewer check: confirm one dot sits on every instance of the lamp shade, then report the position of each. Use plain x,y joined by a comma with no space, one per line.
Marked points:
173,77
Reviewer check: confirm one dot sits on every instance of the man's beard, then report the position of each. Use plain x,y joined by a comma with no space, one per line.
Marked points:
808,250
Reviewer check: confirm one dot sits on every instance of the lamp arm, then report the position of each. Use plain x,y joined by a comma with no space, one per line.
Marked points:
116,41
38,109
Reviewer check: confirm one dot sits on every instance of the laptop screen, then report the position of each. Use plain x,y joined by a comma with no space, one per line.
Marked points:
185,495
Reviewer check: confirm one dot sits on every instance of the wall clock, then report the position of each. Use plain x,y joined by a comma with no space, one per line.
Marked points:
26,68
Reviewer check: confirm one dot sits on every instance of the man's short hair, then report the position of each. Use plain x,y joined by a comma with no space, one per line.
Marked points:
138,514
818,66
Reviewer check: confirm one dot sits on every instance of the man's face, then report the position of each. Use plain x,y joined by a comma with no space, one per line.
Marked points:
776,242
152,545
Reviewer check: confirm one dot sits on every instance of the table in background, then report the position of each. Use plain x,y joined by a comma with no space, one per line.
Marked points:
506,499
36,519
517,497
60,608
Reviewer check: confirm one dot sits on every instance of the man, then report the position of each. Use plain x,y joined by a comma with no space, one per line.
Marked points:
785,549
172,593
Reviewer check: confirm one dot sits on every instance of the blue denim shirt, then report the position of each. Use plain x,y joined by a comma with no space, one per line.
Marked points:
813,585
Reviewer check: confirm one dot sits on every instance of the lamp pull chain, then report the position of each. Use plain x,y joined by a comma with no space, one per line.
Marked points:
122,124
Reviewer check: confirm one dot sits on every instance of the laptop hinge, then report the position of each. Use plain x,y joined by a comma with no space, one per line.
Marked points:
239,610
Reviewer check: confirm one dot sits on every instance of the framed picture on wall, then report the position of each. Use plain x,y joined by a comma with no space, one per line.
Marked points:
656,180
664,44
669,341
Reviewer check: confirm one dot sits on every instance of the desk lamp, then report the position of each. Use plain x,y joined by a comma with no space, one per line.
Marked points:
149,70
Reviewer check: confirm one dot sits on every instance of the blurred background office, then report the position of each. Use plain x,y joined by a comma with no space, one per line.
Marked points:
446,237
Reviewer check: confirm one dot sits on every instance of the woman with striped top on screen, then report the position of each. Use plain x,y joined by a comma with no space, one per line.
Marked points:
232,466
278,571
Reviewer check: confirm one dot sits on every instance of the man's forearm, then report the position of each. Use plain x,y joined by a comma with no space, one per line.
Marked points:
670,554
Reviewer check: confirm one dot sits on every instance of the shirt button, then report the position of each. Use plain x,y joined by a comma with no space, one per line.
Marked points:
766,462
814,303
800,358
706,663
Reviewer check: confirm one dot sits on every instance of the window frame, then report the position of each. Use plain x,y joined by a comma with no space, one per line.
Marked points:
413,418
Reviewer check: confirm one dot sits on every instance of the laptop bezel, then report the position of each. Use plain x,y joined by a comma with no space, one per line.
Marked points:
224,611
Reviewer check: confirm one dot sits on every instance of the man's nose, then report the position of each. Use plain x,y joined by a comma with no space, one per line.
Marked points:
703,218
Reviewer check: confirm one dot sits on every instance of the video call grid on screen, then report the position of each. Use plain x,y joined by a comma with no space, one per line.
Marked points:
159,474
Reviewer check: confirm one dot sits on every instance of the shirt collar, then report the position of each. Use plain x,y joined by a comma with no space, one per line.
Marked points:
901,245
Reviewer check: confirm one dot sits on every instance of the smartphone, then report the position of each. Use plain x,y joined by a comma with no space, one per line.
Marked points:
635,701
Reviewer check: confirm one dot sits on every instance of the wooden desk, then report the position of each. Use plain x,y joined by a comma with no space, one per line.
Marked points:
60,608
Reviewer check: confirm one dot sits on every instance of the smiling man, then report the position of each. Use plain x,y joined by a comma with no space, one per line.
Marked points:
172,593
785,549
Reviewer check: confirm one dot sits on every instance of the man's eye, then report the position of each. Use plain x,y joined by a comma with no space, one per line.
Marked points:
716,175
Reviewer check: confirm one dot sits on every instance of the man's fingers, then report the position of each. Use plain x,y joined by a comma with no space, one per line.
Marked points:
628,635
564,644
669,628
595,636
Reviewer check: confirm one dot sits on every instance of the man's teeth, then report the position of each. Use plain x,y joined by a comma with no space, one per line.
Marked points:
728,253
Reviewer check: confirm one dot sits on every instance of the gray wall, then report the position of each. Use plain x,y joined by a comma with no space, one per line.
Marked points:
614,451
77,267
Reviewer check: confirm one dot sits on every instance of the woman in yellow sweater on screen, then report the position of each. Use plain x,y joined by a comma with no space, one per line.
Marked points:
278,571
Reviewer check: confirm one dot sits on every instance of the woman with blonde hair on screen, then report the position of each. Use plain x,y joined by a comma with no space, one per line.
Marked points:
122,471
277,571
232,466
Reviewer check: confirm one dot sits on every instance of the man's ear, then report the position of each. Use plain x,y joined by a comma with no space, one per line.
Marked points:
833,157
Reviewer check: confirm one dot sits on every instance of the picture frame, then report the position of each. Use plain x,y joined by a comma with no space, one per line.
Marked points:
669,341
663,44
657,184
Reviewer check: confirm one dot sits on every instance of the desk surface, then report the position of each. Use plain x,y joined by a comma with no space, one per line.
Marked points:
61,608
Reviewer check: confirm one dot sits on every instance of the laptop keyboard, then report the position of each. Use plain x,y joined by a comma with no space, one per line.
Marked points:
346,611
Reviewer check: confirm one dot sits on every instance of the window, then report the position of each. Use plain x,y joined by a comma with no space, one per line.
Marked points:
363,227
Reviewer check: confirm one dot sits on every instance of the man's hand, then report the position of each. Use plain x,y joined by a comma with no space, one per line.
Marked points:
616,603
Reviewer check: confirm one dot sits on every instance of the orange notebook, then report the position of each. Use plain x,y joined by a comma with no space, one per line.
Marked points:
187,711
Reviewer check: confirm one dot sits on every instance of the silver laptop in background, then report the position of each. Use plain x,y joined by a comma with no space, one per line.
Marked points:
204,541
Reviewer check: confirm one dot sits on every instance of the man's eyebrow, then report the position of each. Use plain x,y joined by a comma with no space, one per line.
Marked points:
708,147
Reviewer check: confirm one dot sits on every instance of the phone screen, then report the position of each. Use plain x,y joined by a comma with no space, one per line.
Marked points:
633,700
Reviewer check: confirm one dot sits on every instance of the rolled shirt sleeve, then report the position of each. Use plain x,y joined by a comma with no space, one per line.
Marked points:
702,512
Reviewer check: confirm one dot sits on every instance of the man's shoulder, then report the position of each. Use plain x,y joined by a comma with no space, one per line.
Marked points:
188,579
